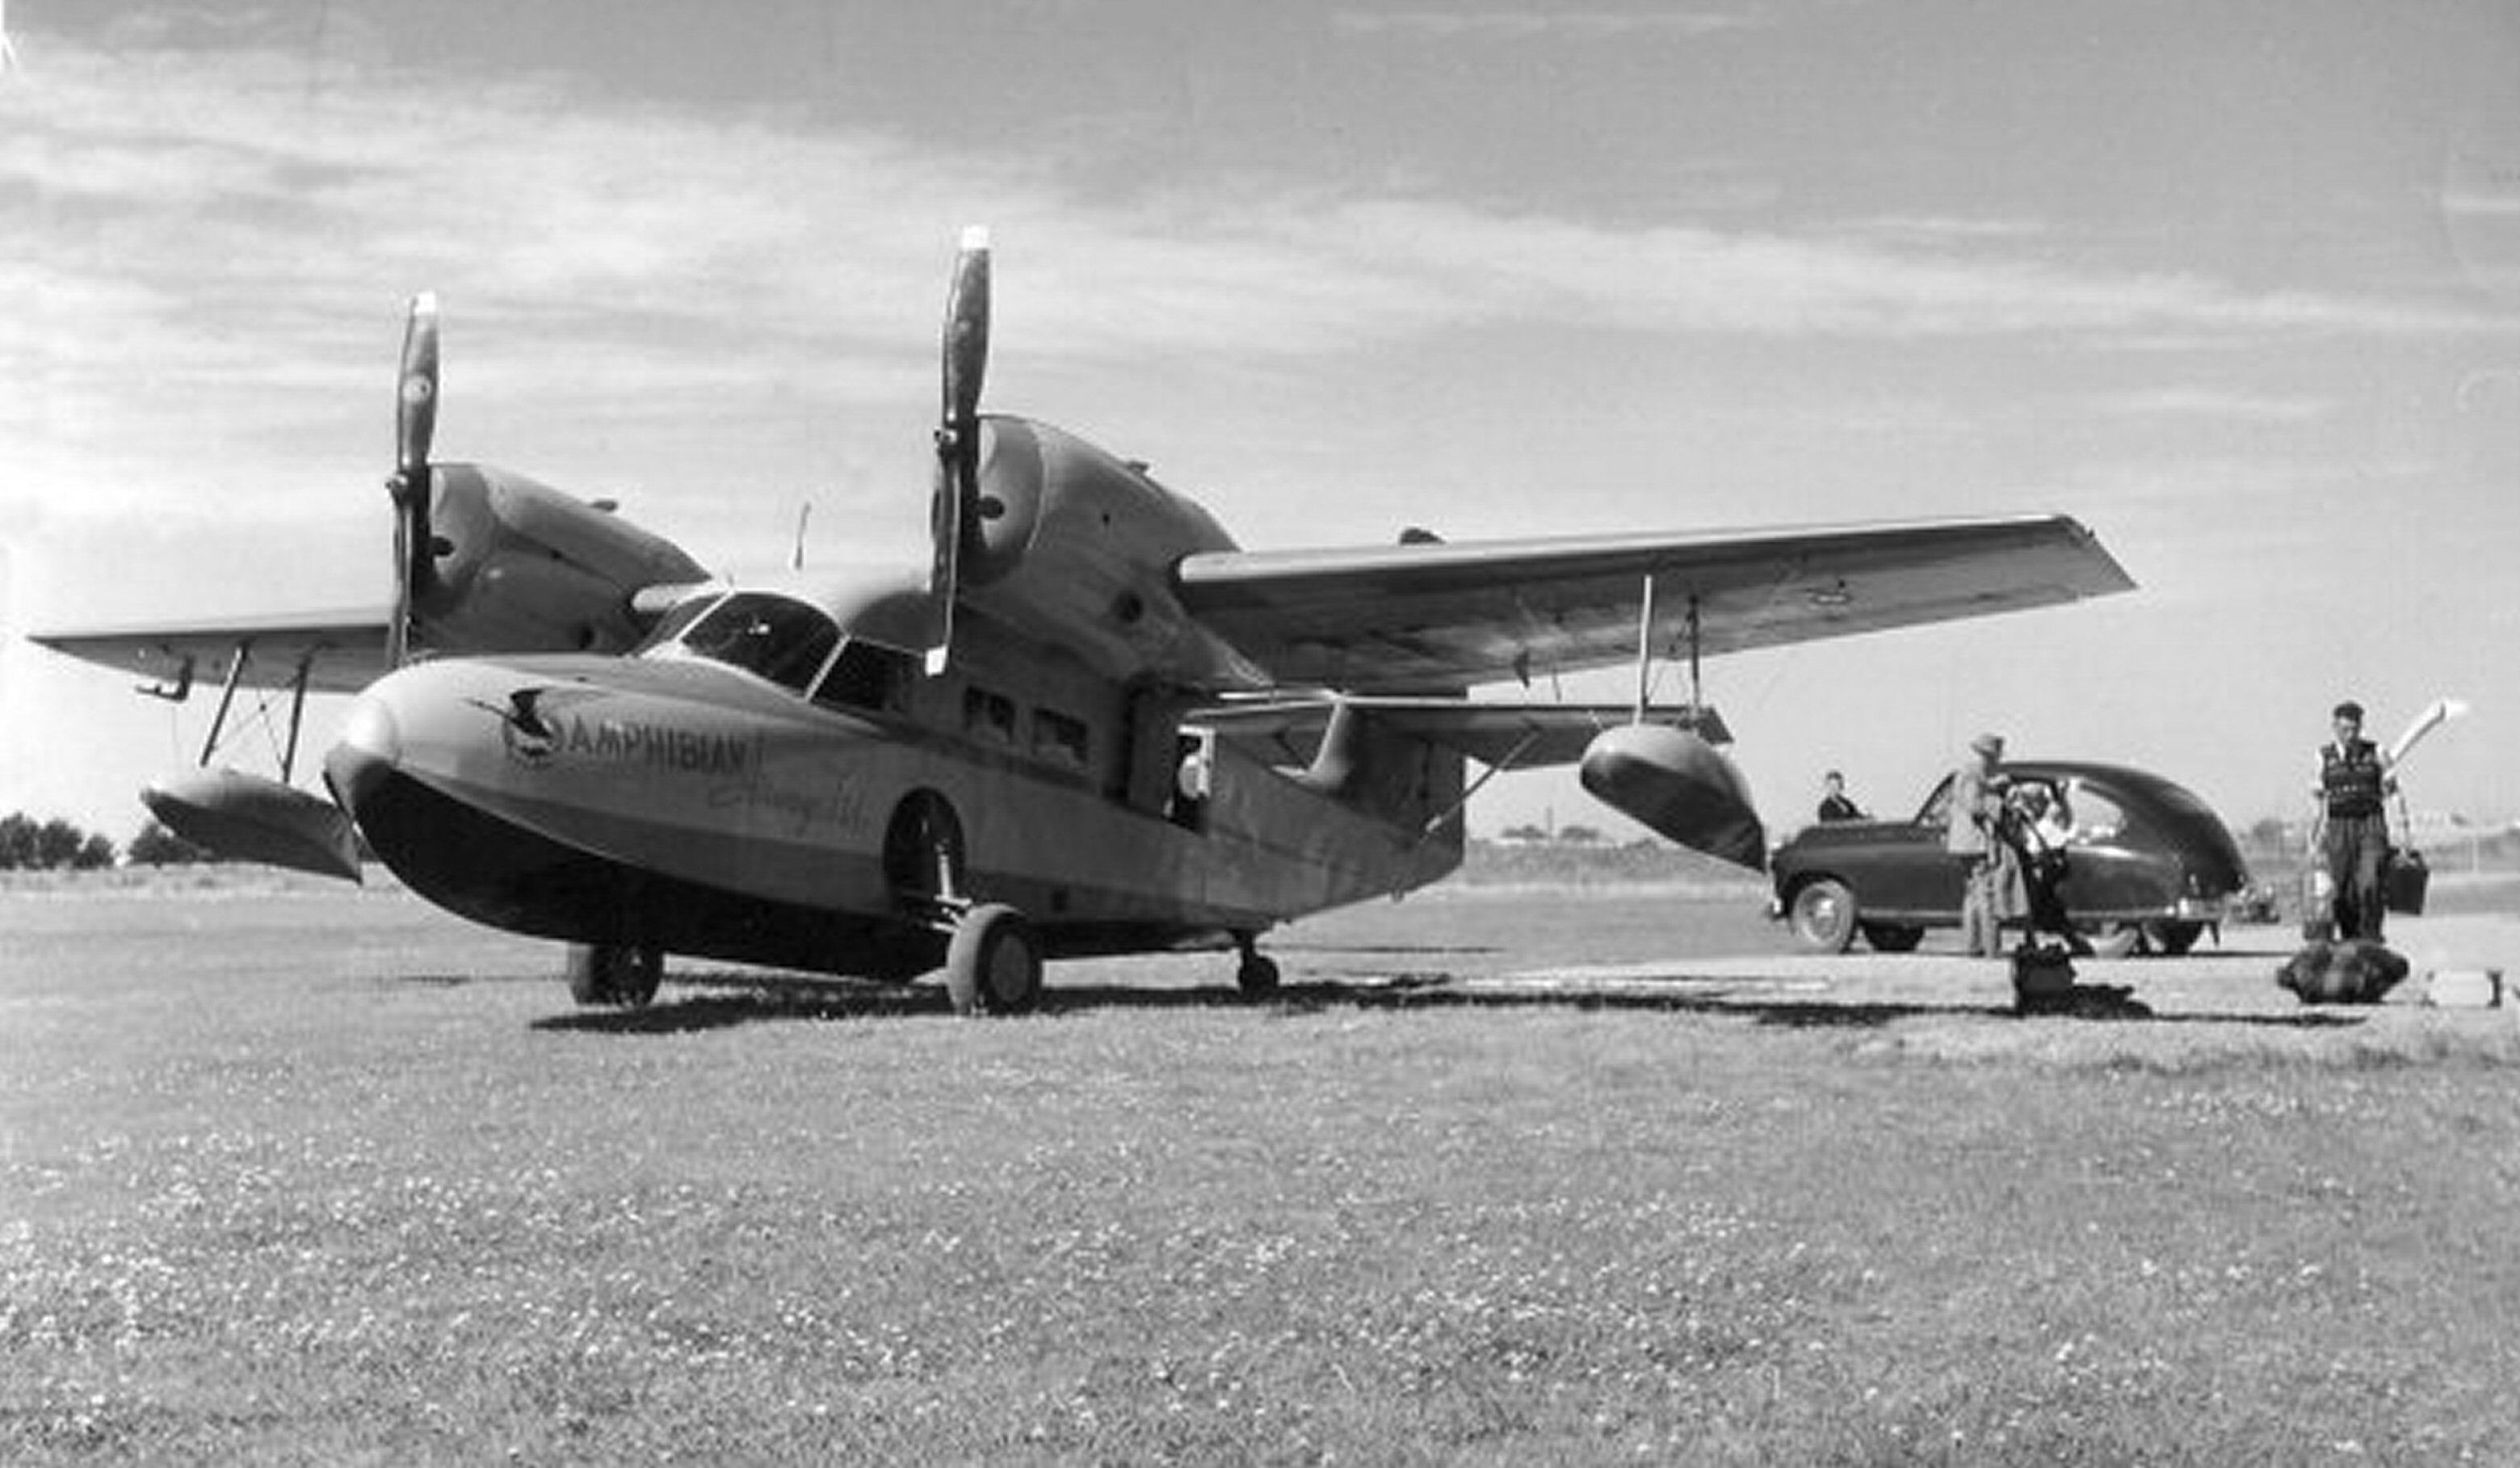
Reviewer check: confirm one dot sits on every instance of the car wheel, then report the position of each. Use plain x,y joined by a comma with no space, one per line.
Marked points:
2172,938
1891,938
1822,915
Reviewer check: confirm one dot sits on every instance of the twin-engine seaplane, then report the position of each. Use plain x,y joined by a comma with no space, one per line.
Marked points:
1093,724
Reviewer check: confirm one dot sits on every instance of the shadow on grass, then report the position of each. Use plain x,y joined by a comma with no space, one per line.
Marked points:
718,1001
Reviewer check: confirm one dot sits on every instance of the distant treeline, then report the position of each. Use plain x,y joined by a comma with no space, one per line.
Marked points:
28,845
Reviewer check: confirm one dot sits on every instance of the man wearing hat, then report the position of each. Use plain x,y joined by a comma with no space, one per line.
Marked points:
1975,812
2349,824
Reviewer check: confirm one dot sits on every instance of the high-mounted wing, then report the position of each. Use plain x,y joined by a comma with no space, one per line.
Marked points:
342,652
1434,615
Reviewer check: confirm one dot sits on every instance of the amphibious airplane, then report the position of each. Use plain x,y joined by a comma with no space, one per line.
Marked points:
1092,724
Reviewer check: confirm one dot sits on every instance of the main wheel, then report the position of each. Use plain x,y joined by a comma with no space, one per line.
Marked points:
1892,937
1822,916
2170,938
619,974
1256,976
992,963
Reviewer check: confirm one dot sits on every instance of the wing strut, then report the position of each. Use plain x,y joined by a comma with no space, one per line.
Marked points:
227,700
1461,802
296,718
1645,650
1696,688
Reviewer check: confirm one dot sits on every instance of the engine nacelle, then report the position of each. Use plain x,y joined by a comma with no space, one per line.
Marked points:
1069,535
517,567
1677,785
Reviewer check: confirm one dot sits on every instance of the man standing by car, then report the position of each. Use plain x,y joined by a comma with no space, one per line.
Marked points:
2350,824
1972,837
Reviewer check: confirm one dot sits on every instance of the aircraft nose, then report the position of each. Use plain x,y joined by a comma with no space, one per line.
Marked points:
370,752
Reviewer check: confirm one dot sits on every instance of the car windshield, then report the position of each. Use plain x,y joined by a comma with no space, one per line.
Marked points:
776,637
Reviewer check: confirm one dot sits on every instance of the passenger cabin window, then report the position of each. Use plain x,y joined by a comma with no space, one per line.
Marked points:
866,676
775,637
989,716
1059,737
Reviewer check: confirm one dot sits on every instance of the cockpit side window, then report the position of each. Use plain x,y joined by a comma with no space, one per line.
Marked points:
774,636
866,676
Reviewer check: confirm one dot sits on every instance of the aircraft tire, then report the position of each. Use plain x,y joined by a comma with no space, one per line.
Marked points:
1892,937
615,974
1822,915
2169,938
642,969
1256,976
993,962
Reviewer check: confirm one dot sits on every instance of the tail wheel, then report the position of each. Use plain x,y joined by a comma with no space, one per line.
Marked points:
1822,915
993,964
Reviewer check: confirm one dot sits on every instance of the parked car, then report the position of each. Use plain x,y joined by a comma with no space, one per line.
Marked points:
2149,866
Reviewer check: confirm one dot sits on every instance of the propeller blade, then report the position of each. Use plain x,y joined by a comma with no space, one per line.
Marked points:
2438,712
967,329
955,503
415,410
399,624
415,429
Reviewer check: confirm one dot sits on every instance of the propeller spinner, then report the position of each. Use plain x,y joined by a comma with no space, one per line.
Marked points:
415,425
956,506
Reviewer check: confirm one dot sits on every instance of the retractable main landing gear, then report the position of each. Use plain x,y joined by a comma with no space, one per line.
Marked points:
992,961
625,974
1256,975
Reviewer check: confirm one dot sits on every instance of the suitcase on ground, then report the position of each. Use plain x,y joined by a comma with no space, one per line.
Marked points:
2406,879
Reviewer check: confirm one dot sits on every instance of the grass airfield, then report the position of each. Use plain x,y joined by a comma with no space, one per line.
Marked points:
294,1173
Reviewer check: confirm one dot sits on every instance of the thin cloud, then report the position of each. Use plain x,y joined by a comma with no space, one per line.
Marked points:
1542,25
214,242
2216,405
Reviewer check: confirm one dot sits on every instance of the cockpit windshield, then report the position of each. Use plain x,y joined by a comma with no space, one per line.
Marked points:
675,620
775,637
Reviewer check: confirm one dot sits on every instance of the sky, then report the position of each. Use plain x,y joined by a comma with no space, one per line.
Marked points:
2238,285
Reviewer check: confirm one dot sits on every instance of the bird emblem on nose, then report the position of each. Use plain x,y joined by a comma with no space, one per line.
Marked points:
529,738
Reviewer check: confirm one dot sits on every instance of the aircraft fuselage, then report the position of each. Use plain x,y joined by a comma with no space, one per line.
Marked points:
693,808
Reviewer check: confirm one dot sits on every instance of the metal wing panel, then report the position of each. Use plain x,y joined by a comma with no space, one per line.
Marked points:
1513,736
343,650
1438,614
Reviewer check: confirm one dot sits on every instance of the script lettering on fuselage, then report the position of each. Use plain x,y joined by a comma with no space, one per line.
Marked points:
832,799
